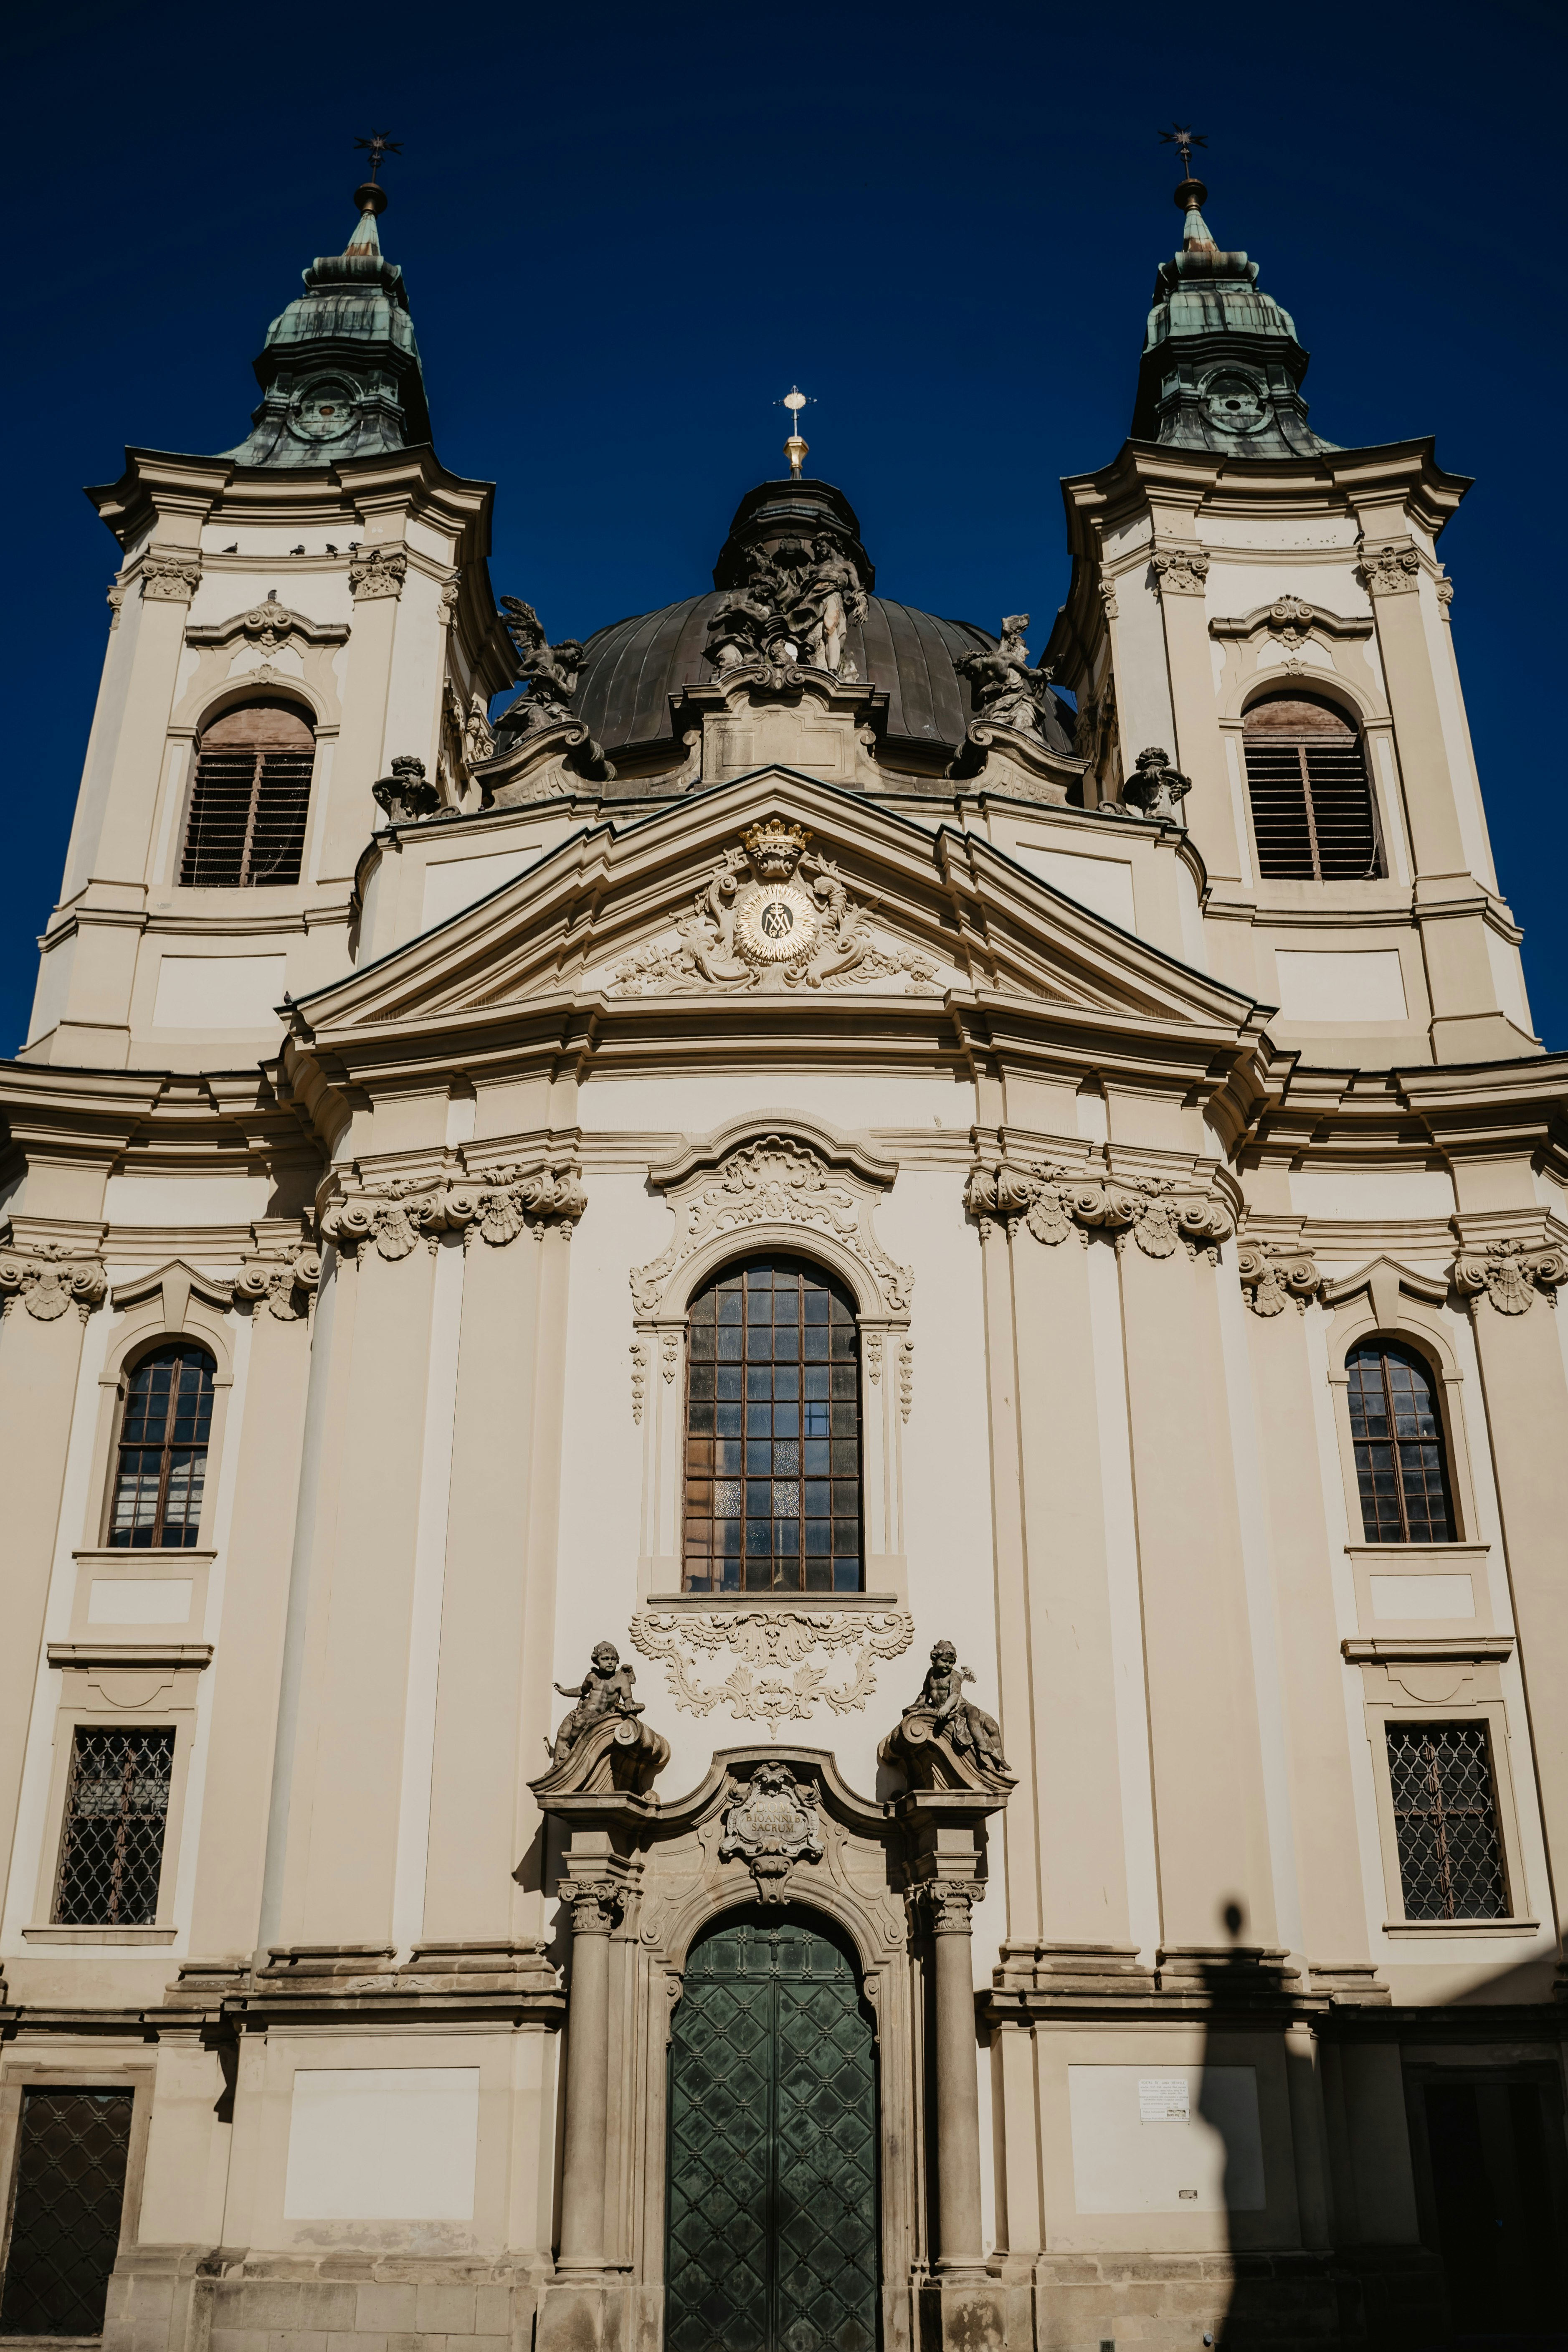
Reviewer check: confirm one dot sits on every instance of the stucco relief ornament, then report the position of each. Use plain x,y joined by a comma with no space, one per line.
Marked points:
1272,1277
1390,569
1051,1201
1510,1273
770,916
377,572
1181,570
783,1658
281,1284
770,1827
170,579
1290,621
48,1278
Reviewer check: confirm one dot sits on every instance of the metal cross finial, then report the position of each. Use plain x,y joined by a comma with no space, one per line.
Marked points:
380,146
1183,138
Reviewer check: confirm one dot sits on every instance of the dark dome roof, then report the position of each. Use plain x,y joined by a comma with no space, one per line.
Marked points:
633,667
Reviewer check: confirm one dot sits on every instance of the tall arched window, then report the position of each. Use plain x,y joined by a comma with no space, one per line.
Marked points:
250,800
1400,1463
773,1432
162,1460
1311,805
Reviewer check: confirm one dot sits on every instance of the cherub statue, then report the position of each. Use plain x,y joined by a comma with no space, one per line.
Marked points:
1006,691
1156,789
552,671
965,1727
606,1689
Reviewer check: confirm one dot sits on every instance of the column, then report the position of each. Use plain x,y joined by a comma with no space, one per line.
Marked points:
958,2236
596,1906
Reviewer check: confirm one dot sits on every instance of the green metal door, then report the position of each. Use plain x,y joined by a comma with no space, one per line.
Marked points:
772,2146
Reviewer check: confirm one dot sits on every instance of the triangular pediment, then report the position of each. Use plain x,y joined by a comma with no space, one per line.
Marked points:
773,884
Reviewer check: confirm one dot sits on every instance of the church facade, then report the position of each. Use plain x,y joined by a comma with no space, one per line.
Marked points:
788,1440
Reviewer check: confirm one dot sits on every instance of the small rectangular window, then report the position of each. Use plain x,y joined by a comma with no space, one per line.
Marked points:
1446,1821
65,2227
117,1805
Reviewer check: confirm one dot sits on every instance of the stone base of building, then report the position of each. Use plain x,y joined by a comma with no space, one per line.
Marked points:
1386,2299
216,2299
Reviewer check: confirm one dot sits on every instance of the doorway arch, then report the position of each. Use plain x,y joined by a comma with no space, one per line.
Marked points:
773,2219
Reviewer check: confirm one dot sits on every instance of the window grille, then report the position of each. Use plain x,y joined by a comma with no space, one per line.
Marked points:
64,2222
1401,1466
116,1808
773,1441
160,1468
1445,1817
250,800
1311,806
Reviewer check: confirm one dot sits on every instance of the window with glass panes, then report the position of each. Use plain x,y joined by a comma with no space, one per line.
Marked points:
161,1466
1398,1434
773,1432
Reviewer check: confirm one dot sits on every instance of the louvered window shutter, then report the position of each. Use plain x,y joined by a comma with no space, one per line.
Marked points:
1313,815
250,801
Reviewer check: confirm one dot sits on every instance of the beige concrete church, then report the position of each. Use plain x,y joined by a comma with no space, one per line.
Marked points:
958,1245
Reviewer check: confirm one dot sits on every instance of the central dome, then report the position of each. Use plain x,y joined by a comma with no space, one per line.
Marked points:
632,669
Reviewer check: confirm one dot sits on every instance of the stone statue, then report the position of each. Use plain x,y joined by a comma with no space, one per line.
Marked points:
942,1710
604,1690
737,632
408,793
552,671
1156,789
797,606
1006,691
830,597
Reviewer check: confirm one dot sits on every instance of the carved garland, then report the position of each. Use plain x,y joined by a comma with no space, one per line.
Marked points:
1050,1200
48,1278
768,1644
1510,1273
496,1205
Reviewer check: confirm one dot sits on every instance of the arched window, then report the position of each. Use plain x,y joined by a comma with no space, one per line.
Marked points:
1311,806
1399,1457
250,799
773,1432
160,1465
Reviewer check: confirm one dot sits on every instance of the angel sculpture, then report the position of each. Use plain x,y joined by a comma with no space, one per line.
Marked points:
551,671
606,1689
1006,692
967,1728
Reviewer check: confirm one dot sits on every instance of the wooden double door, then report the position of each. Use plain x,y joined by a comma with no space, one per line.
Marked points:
773,2224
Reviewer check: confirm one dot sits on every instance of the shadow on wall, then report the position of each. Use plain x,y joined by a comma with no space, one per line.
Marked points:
1469,2099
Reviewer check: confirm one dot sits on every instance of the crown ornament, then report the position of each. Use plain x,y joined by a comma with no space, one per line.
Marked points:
775,849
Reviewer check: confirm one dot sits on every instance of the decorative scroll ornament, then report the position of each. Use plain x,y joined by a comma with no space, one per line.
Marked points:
1445,591
771,1827
771,917
1510,1273
1291,622
496,1204
281,1283
47,1279
1181,570
170,579
783,1658
1272,1276
1050,1200
377,572
1390,569
773,1180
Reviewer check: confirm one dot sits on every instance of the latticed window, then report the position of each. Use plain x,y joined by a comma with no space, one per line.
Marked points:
1445,1815
64,2222
1311,805
116,1809
773,1423
1401,1465
250,799
162,1463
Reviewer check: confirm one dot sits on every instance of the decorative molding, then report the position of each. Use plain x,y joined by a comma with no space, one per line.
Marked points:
174,1284
171,579
377,572
496,1204
669,1354
770,916
1445,591
1384,1279
1181,570
270,626
446,604
871,1356
944,1905
1050,1200
907,1378
116,599
1510,1273
767,1643
775,1181
47,1279
1388,570
596,1904
639,1380
1293,620
1272,1276
771,1825
1108,599
281,1282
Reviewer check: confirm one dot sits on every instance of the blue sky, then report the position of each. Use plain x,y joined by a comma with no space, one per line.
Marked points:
626,230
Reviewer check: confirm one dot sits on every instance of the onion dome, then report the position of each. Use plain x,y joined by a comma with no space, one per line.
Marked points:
633,669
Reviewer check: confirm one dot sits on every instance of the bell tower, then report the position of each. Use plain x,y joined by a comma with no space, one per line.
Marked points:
1271,611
